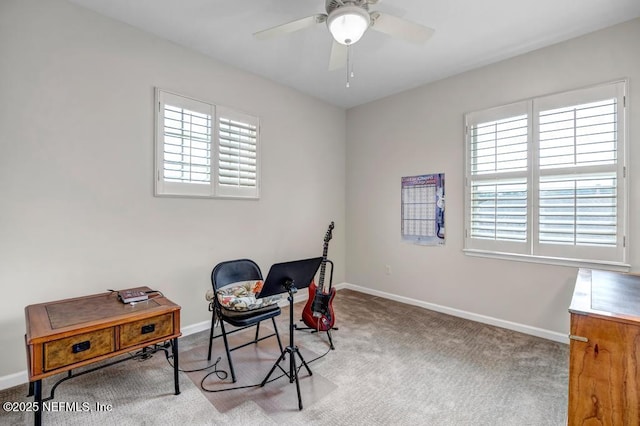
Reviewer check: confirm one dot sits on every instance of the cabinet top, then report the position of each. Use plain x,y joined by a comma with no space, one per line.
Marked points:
606,293
63,317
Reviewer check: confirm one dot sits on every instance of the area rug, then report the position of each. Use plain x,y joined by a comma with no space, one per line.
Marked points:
252,364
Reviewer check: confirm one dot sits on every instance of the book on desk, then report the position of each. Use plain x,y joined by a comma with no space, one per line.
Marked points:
132,295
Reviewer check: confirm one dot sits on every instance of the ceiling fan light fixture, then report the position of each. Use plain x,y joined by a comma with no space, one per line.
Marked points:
347,24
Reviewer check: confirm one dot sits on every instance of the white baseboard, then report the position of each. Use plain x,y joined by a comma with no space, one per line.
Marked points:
21,377
196,328
522,328
15,379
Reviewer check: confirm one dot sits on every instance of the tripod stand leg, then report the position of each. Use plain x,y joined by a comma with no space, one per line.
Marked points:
281,358
294,375
303,362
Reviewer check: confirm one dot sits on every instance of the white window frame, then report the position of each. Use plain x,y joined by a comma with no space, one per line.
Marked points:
531,250
214,188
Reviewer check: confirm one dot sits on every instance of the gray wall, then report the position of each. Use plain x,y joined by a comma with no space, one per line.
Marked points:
421,131
78,213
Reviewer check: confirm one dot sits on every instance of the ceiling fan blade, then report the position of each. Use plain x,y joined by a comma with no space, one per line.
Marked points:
289,27
338,58
400,28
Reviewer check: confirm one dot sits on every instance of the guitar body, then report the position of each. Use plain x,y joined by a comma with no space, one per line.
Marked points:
327,319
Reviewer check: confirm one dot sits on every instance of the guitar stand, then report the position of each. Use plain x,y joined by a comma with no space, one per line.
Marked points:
315,330
292,350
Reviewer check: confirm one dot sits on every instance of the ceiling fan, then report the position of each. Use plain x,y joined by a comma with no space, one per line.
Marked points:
347,21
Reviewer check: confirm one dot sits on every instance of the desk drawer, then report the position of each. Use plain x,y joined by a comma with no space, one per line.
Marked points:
146,330
67,351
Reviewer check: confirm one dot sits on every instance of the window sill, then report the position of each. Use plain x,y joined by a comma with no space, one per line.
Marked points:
578,263
207,197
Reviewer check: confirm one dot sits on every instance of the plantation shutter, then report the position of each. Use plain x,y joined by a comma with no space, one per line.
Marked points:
499,210
546,179
579,185
497,167
237,153
203,150
184,151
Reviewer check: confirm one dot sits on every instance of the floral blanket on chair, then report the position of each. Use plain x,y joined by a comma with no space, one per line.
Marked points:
241,296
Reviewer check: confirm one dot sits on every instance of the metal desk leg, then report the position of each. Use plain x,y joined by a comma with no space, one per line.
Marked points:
37,399
175,365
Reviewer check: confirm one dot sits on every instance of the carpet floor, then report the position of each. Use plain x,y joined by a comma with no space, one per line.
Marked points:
392,364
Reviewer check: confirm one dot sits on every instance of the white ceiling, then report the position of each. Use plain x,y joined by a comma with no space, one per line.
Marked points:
468,34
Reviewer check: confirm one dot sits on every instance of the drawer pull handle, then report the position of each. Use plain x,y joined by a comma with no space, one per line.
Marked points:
81,347
578,338
148,328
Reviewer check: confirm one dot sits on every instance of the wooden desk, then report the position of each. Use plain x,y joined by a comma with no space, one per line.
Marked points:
71,333
604,355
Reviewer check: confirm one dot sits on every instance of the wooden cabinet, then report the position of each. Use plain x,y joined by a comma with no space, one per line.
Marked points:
70,333
604,367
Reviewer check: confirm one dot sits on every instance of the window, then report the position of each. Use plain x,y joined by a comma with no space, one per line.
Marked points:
545,179
203,150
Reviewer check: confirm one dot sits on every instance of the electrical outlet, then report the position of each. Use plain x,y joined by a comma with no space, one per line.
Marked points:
387,269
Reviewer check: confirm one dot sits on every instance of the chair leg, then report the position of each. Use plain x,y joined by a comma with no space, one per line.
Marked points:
213,323
275,328
255,339
226,346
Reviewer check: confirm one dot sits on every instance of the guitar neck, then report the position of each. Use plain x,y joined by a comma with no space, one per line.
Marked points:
325,248
323,266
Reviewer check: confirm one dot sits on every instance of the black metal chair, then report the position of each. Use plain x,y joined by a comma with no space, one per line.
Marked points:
230,272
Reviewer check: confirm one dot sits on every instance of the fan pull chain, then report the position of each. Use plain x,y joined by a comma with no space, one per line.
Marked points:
349,65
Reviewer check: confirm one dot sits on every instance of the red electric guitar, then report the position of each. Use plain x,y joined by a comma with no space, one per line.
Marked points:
318,312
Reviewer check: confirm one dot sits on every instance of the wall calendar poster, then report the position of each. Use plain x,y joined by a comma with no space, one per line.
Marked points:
423,209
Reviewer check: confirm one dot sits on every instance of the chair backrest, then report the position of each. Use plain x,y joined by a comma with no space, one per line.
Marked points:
233,271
